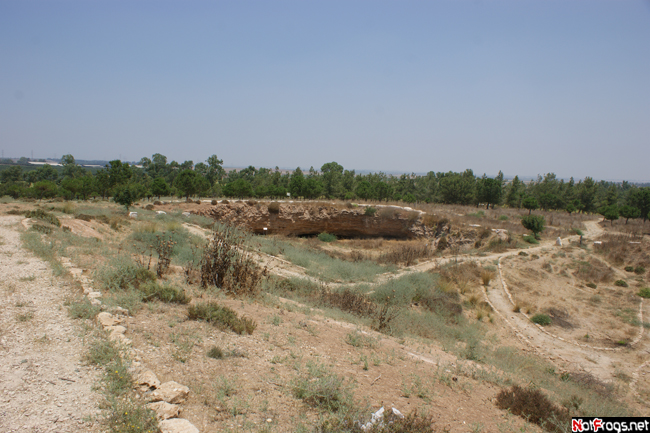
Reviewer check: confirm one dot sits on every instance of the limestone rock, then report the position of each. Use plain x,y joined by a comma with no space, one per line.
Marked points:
164,410
148,378
171,392
177,425
107,319
306,219
93,295
558,242
95,302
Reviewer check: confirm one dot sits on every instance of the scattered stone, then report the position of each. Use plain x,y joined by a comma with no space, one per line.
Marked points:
164,410
120,311
107,319
133,214
161,212
93,295
177,425
148,378
171,392
558,242
186,214
95,302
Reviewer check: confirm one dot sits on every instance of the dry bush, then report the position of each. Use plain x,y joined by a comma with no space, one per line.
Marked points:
618,250
594,270
486,277
533,405
224,263
460,274
588,380
221,317
274,207
357,256
560,318
349,301
406,254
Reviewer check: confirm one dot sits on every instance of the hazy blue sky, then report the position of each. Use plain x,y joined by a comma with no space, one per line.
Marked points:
526,87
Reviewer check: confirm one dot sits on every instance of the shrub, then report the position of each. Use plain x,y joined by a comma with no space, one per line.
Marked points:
154,291
320,388
389,423
121,274
530,239
629,268
591,285
645,292
221,317
327,237
534,223
370,211
541,319
215,353
157,203
639,270
83,309
274,207
224,263
127,416
532,405
503,217
214,202
486,276
523,254
407,254
620,283
578,232
44,216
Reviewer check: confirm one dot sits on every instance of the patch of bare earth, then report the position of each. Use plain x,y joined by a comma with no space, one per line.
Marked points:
44,386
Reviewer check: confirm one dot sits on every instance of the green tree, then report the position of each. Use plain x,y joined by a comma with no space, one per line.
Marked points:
609,213
628,212
640,199
364,190
489,191
513,196
160,187
44,188
332,176
215,170
530,203
12,174
187,182
239,188
296,182
126,195
534,223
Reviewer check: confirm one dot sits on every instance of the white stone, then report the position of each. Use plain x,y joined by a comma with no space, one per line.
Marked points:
177,425
164,410
95,302
186,214
107,319
558,242
171,392
93,295
161,212
148,378
133,214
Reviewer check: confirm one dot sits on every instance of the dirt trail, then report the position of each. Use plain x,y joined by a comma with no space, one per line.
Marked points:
44,387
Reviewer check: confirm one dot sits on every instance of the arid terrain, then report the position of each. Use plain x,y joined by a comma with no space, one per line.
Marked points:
321,331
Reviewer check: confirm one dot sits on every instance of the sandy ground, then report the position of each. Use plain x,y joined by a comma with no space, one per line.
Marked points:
44,386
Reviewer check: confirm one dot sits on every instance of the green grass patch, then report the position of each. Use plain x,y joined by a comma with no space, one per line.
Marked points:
221,317
327,237
165,293
531,239
320,388
645,292
541,319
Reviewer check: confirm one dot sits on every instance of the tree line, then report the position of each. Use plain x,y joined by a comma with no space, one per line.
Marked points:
156,177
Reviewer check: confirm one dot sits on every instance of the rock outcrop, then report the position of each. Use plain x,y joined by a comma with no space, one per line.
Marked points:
301,219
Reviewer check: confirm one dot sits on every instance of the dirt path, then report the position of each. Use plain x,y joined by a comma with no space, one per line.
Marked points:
44,387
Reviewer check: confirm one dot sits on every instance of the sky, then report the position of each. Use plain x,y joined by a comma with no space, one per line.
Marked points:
525,87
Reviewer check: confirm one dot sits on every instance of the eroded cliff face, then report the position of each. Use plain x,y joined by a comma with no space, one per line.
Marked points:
307,219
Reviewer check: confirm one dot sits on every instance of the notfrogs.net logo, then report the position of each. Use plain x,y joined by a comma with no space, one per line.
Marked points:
607,425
